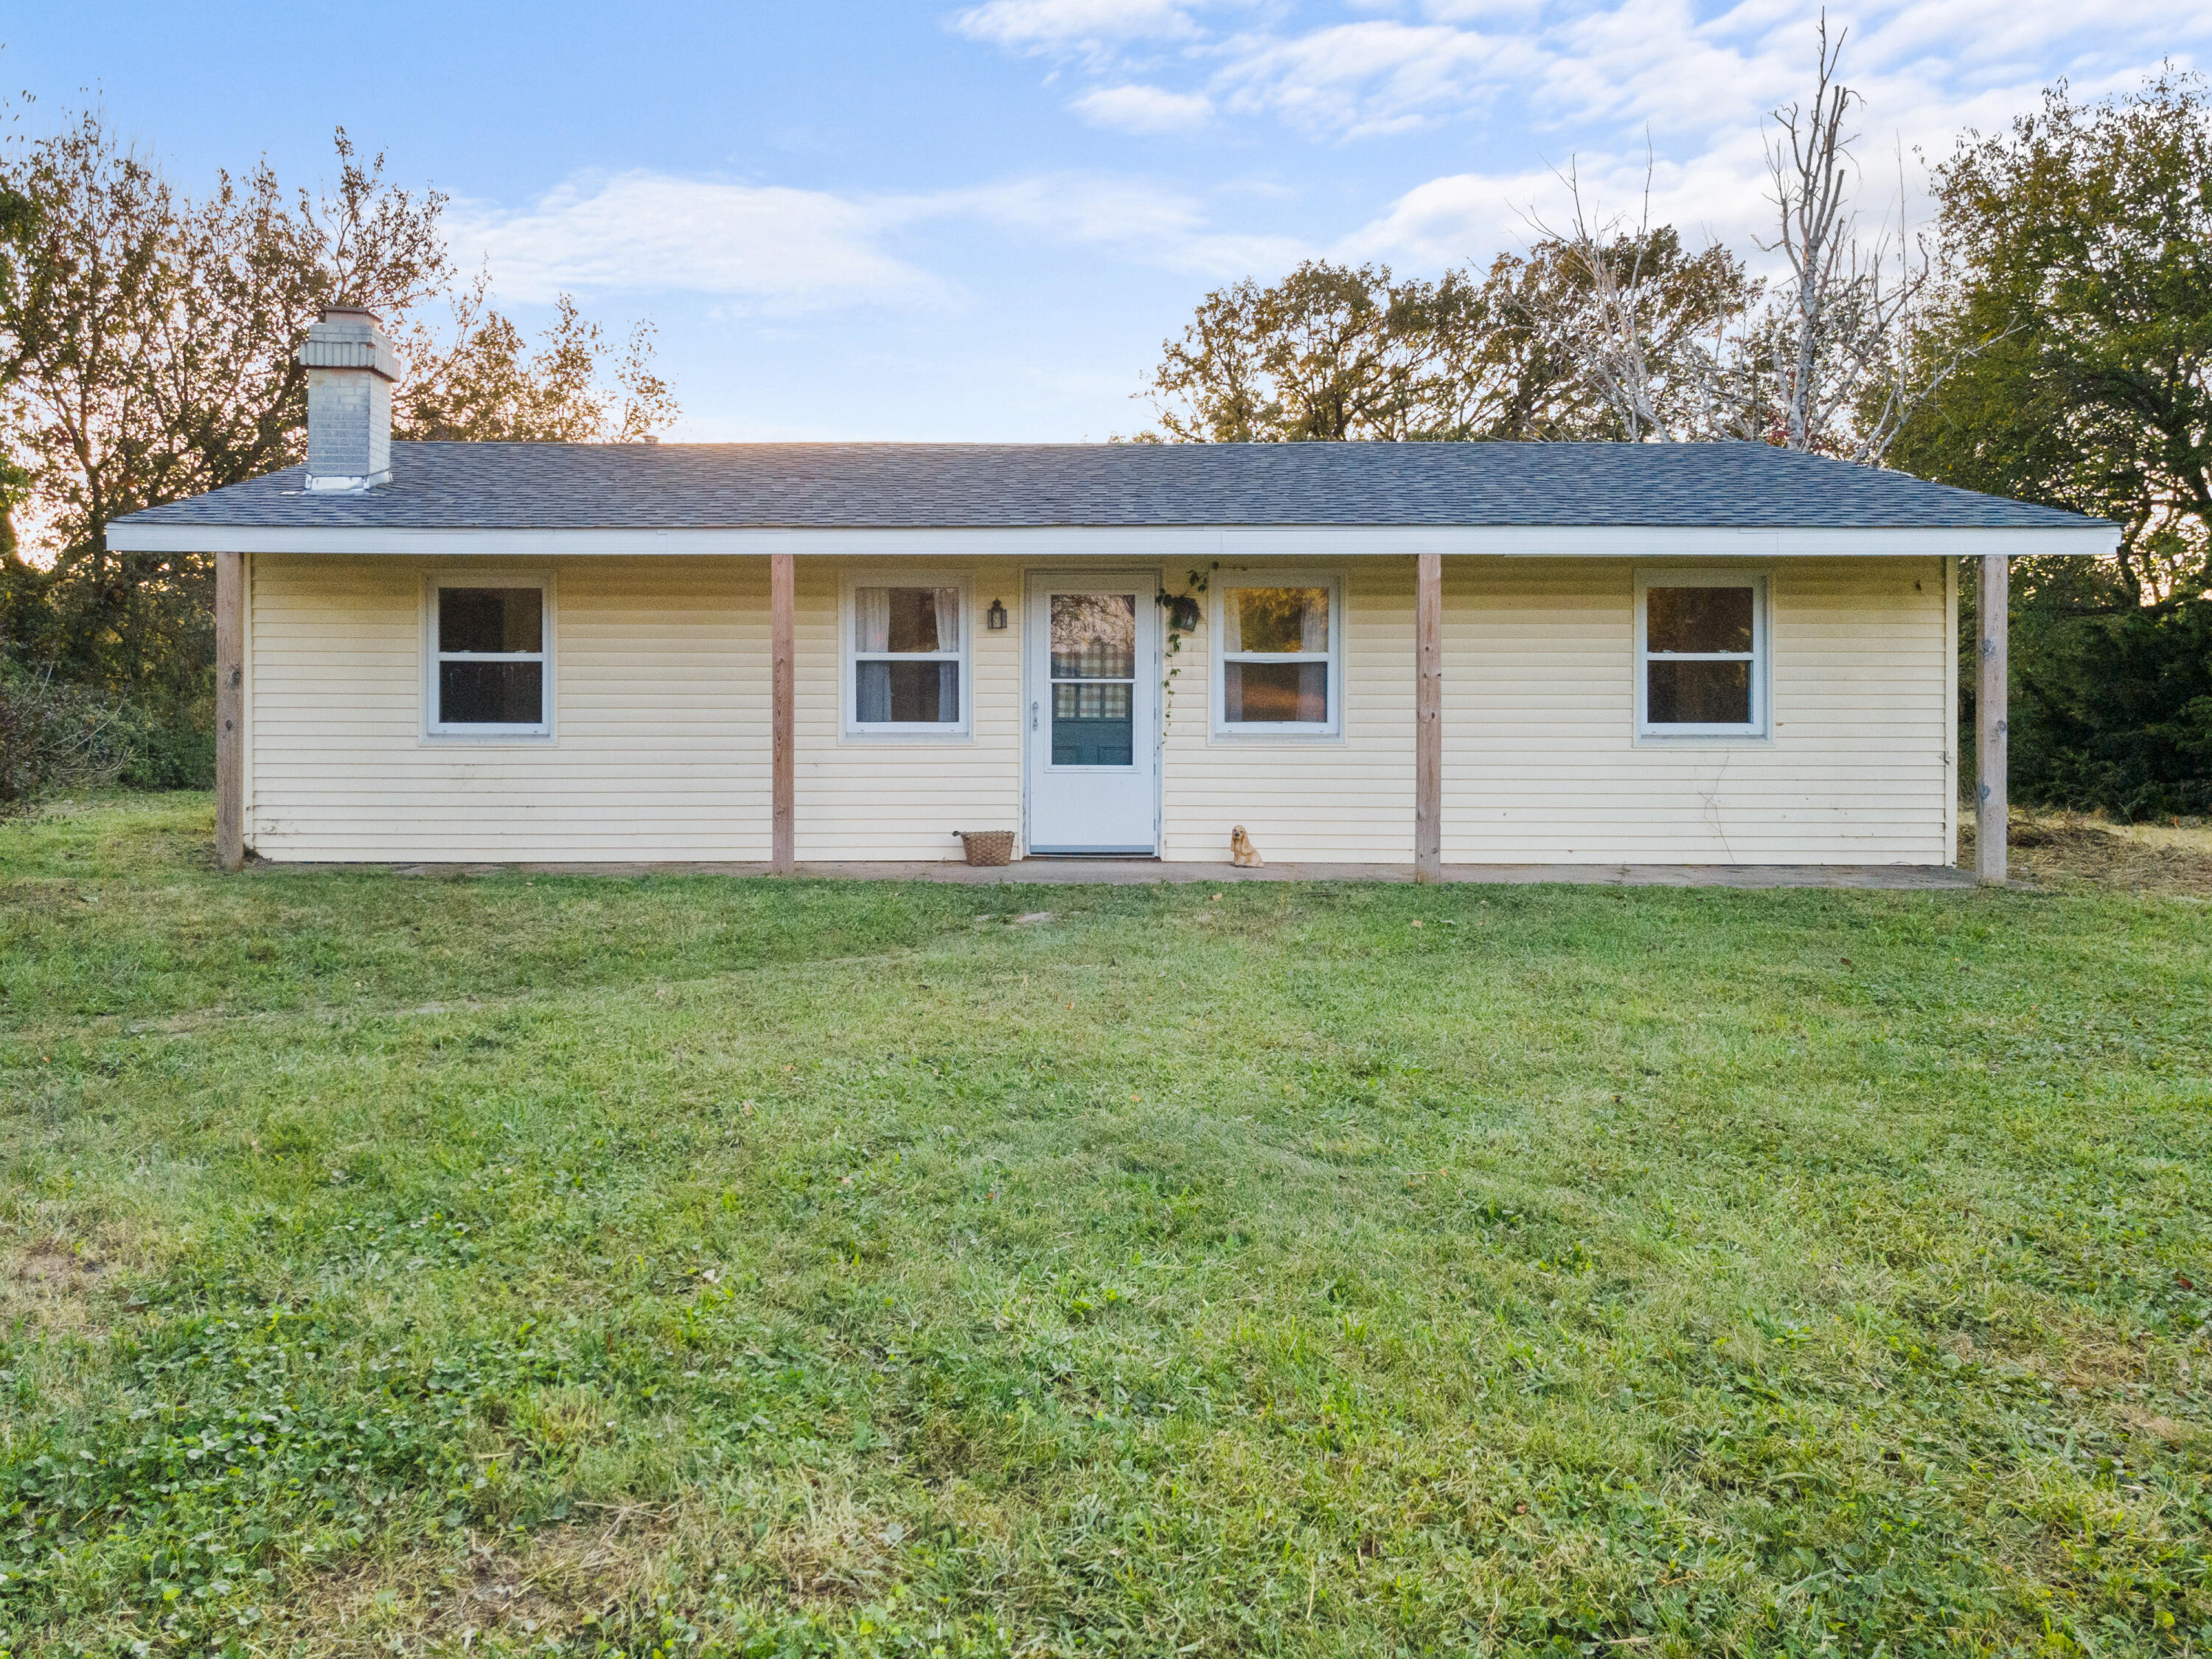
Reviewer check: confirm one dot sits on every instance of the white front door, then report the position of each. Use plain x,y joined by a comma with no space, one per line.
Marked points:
1093,651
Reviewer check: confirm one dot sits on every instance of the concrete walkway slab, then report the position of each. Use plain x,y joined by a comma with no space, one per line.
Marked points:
1139,872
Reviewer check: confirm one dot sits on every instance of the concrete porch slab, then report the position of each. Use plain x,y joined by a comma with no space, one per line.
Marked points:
1139,872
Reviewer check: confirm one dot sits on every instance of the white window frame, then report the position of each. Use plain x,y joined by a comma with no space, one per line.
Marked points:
1760,727
849,658
437,731
1228,730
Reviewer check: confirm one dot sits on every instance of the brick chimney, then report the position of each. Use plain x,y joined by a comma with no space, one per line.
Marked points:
351,369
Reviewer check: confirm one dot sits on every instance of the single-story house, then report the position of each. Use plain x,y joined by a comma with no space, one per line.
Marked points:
1415,654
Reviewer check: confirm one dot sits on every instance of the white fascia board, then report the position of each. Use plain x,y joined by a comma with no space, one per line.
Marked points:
1295,542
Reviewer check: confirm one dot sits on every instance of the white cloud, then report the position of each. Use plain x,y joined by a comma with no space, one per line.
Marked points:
774,249
1136,221
1071,25
1362,79
1145,110
781,249
1586,85
1678,68
1450,220
1589,85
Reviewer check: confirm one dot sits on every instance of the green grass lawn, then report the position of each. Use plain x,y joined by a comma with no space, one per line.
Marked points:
692,1264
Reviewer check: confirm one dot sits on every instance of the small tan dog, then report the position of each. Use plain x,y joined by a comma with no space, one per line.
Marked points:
1241,852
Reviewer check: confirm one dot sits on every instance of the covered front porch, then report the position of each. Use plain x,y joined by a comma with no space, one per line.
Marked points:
1485,718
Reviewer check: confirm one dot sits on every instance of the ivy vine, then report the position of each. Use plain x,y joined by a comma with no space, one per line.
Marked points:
1183,618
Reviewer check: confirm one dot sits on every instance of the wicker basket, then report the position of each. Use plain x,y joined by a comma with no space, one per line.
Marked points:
988,846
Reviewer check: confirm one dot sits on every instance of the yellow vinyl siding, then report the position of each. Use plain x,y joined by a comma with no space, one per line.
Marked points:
871,798
1541,764
661,718
662,745
1348,801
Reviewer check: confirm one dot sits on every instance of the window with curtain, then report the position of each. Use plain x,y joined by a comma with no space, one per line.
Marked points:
907,658
1701,648
490,676
1278,654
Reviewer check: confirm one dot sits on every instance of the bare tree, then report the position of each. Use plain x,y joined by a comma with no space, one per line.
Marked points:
1839,337
1629,308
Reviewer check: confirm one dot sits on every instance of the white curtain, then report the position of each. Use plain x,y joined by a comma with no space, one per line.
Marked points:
948,618
871,619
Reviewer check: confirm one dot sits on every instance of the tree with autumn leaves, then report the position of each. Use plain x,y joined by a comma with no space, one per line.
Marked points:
147,352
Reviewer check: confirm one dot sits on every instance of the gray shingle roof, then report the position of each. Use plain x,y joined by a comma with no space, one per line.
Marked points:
452,486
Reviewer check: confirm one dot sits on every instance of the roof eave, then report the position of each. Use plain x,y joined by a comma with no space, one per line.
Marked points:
2088,537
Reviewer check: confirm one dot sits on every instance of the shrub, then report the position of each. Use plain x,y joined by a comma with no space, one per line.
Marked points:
2115,712
57,736
175,751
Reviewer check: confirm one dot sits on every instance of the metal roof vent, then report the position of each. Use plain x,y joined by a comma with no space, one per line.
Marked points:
350,368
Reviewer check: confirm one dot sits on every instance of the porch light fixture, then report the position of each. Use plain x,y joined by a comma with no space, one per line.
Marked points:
995,618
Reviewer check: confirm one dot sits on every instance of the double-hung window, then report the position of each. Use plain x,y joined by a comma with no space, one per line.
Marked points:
1701,654
491,660
1278,651
906,665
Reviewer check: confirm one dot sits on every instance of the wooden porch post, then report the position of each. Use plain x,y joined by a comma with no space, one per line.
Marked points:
1992,730
1429,719
784,788
230,709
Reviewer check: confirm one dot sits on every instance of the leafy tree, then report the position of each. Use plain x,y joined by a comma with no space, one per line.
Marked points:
149,346
2079,254
2081,250
2114,710
1328,352
1640,320
148,351
1500,371
1335,352
485,382
1680,346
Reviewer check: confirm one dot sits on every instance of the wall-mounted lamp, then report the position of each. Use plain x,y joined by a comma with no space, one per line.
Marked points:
995,618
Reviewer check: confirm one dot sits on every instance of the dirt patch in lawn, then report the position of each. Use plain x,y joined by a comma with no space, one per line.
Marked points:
2056,849
591,1575
51,1282
426,1603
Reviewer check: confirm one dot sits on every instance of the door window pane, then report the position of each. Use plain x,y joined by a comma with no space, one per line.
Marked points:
1094,636
491,620
1699,619
1094,668
1092,726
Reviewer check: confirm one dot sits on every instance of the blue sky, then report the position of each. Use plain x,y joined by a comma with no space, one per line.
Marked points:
978,221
